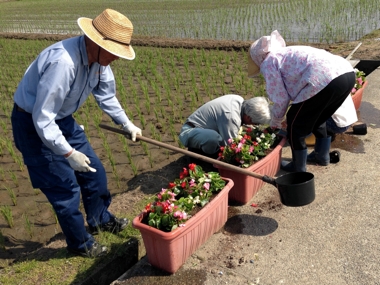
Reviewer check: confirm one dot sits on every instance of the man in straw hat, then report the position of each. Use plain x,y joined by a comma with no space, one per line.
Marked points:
314,81
60,160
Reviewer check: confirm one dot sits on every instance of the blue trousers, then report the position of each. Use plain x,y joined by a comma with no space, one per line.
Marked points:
62,185
209,141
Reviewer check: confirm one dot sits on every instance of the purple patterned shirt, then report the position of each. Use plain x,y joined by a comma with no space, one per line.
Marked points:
297,73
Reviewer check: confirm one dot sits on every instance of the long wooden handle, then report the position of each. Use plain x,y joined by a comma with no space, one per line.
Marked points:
355,49
195,155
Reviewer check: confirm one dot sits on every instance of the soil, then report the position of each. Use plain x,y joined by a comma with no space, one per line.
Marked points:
19,242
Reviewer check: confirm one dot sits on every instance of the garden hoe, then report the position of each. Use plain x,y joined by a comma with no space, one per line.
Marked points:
295,189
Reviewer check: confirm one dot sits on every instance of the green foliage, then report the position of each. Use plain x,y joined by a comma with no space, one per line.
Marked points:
360,79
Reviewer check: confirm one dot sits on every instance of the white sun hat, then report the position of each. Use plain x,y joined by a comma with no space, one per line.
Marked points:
259,50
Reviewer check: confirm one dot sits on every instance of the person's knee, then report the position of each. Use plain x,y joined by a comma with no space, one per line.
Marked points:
211,146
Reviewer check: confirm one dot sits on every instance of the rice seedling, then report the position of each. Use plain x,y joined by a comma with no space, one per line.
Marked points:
14,177
12,195
29,226
134,168
6,212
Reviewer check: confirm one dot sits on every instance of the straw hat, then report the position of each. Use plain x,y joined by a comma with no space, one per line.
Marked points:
111,31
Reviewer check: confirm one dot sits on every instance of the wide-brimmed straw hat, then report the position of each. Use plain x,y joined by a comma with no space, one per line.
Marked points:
259,50
111,31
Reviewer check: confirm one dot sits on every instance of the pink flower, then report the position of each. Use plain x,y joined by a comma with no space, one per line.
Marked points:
238,149
192,183
180,215
172,195
360,80
353,90
206,186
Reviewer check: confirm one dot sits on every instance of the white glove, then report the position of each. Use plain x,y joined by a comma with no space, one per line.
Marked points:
132,129
80,162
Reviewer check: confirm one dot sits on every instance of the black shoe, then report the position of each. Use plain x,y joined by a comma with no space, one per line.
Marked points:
334,156
95,251
114,226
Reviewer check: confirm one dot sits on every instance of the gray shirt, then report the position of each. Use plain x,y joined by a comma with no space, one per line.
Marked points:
222,115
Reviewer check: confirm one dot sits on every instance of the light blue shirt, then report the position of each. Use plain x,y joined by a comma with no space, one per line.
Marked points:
58,82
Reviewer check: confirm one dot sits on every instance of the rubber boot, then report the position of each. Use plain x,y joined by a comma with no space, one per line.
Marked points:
321,153
298,163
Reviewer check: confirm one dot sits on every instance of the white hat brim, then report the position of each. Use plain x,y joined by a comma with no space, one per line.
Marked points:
253,68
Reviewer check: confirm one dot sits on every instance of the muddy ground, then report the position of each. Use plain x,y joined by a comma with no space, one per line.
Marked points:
17,242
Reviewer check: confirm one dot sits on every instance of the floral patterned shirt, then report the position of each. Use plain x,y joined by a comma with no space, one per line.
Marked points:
297,73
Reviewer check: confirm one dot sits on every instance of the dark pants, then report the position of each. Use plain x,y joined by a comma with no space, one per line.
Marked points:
311,115
60,183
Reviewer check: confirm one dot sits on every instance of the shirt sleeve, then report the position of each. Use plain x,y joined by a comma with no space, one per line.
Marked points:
277,93
51,93
105,96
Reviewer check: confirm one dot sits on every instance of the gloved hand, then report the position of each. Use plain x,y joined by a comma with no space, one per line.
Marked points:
80,162
132,129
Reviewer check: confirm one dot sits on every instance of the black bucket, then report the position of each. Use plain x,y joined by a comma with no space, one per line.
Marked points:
296,189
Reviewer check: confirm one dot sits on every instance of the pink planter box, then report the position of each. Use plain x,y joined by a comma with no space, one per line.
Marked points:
169,250
245,187
357,97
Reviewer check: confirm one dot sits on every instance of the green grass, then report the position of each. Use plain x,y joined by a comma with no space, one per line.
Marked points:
62,267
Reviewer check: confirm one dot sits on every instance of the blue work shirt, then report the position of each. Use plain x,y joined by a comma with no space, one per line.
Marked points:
58,82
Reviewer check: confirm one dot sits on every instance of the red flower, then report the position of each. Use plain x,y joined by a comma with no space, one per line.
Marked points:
192,166
183,184
171,185
184,173
147,207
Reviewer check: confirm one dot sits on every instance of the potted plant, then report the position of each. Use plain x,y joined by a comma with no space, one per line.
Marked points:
183,216
357,91
258,149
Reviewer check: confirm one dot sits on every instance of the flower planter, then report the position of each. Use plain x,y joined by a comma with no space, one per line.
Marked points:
245,187
357,97
169,250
